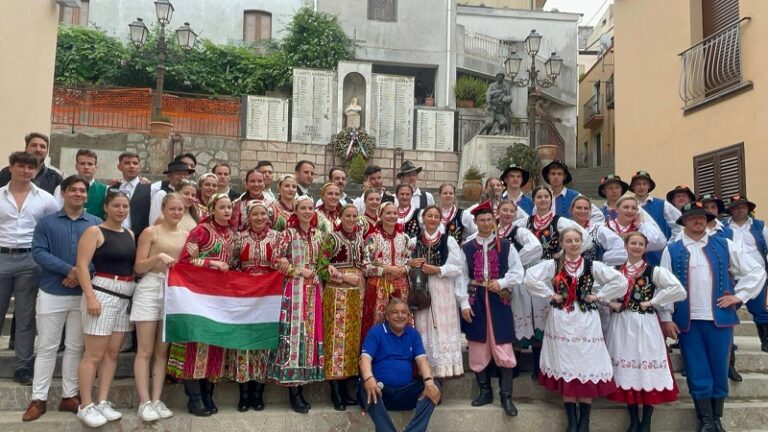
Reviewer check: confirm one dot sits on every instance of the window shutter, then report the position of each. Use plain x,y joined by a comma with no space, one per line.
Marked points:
720,172
265,27
718,14
249,27
383,10
731,172
704,175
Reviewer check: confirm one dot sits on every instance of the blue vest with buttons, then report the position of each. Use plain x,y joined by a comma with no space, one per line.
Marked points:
716,252
563,203
655,208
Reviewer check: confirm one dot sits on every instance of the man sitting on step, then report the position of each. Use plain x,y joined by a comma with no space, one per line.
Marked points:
386,382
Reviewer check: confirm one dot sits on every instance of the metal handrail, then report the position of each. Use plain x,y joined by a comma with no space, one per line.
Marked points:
716,34
591,108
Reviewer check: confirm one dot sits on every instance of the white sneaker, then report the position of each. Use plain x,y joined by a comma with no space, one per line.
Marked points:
107,409
162,410
91,416
147,412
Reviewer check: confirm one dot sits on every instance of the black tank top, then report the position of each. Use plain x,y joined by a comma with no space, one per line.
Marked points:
116,255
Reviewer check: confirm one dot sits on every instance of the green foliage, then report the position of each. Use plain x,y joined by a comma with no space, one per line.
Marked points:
474,173
357,168
522,155
87,56
471,88
314,40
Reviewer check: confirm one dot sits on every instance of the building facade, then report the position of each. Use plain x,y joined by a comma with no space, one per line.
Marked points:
690,94
28,53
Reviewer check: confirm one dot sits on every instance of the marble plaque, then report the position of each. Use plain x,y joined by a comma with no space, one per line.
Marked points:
434,130
392,111
313,93
266,118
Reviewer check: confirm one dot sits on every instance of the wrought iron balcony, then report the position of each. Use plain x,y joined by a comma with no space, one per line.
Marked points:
593,114
712,67
609,93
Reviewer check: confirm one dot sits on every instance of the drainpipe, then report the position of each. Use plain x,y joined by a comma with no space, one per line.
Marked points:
315,5
448,43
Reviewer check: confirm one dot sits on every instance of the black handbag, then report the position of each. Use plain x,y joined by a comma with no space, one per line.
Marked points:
418,294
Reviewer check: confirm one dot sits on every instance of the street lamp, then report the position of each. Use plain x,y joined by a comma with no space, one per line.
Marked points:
185,35
552,69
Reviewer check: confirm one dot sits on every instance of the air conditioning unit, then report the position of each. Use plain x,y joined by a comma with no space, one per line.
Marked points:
68,3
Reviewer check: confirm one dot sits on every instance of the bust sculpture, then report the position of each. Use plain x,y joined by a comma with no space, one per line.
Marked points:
352,113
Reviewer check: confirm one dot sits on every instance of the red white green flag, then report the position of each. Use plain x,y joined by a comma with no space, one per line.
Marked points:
230,310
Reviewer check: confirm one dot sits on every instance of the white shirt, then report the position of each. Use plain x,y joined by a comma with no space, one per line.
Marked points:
156,206
671,214
416,198
596,216
749,274
514,274
609,283
127,187
743,237
18,225
615,253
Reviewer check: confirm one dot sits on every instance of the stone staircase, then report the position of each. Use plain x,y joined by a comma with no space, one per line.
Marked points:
539,410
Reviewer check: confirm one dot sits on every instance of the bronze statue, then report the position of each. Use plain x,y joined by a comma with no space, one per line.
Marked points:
497,100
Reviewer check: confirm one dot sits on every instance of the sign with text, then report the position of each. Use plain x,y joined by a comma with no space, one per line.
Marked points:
392,111
434,130
312,119
266,118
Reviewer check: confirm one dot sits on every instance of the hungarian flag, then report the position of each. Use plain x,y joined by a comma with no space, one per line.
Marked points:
230,310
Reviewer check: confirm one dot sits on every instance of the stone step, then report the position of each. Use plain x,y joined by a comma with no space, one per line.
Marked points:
451,416
749,359
15,397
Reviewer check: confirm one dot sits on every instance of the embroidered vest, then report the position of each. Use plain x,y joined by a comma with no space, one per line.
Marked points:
512,237
583,287
549,236
455,227
596,252
716,252
411,226
655,208
436,254
642,290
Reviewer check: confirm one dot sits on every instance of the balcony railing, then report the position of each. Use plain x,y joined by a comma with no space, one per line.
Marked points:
593,114
486,49
712,66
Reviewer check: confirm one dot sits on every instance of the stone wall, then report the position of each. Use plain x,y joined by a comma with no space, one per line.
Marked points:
439,167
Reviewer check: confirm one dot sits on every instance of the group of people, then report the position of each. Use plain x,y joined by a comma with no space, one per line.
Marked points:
378,289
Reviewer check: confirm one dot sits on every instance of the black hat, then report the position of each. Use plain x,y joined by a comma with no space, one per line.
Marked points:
605,181
711,197
178,166
557,164
643,175
515,167
738,200
680,189
694,208
408,167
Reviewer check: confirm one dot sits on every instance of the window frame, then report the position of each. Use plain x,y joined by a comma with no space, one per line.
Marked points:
370,16
715,158
258,13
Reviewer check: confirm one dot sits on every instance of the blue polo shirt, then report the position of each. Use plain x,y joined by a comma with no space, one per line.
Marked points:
392,355
54,248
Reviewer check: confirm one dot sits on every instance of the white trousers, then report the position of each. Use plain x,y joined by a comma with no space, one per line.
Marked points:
53,312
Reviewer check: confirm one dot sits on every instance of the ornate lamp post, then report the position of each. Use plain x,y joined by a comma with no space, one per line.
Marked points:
185,35
552,68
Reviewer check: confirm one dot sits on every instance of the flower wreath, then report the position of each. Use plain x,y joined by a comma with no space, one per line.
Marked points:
351,141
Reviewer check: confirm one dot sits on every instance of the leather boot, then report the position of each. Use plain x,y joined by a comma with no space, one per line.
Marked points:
584,410
705,414
295,400
505,392
338,402
301,396
645,426
634,418
536,361
348,400
195,404
206,392
256,395
486,394
243,403
733,374
762,332
570,414
717,413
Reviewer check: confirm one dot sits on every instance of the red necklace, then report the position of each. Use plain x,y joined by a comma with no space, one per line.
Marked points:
572,266
285,207
431,239
616,227
451,213
402,213
503,232
540,222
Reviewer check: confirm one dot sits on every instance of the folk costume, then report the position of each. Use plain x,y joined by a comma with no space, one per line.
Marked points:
239,219
752,236
439,323
368,223
457,223
561,202
491,332
300,356
385,249
663,213
604,245
574,357
642,369
648,227
281,215
409,219
706,268
200,364
256,253
529,249
342,307
609,212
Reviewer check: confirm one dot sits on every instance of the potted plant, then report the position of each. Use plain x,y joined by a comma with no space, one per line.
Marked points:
429,100
472,188
470,92
546,152
160,126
